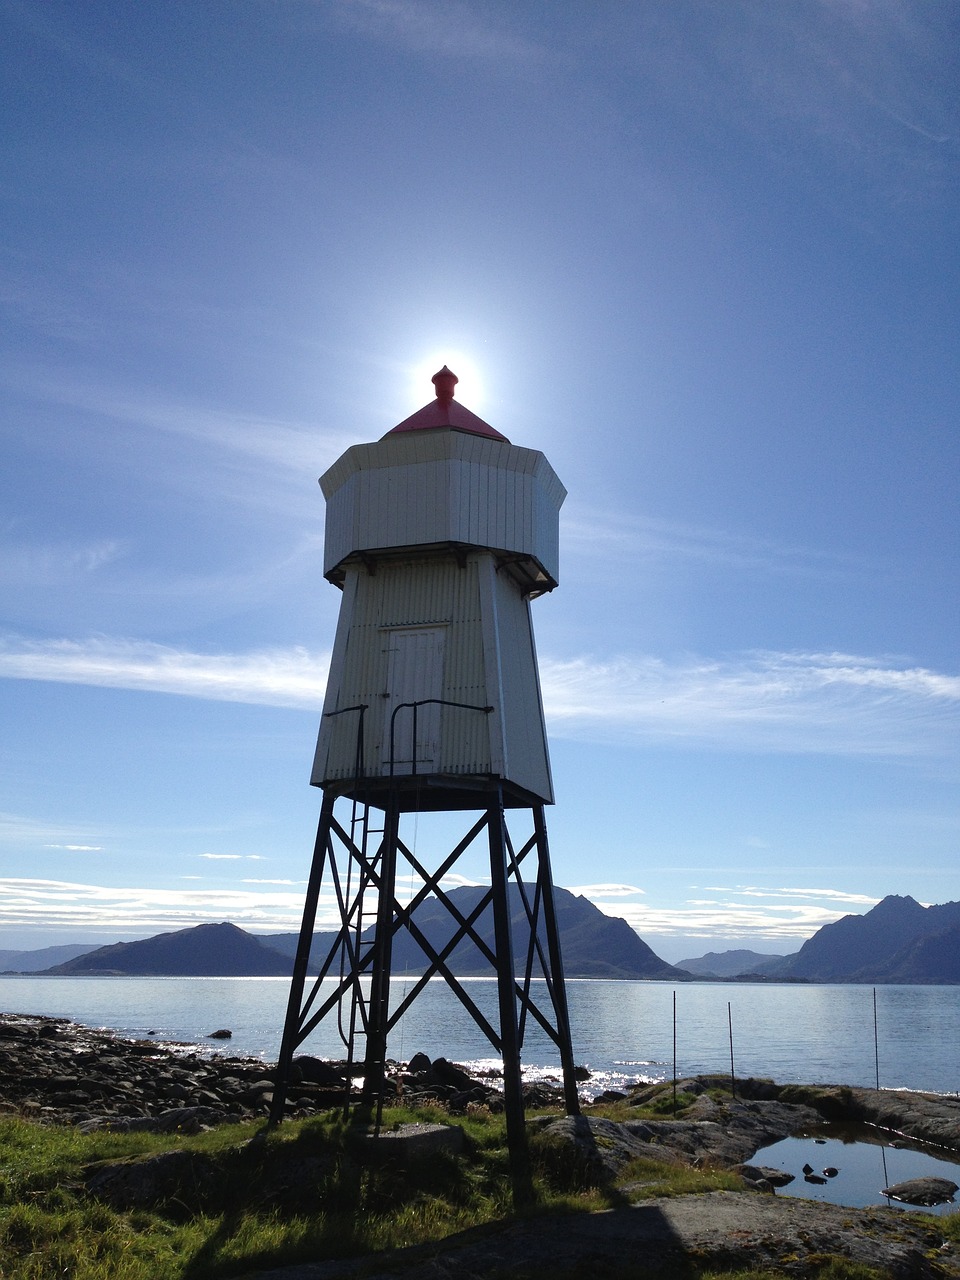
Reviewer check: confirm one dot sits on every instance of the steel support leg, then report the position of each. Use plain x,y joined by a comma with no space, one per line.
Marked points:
571,1096
291,1026
509,1031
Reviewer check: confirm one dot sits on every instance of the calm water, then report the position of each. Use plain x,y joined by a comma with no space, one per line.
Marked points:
623,1031
859,1170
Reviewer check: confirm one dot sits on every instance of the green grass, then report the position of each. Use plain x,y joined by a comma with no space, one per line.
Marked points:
241,1200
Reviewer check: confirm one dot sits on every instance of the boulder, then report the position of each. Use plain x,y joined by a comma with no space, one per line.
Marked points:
131,1184
444,1072
925,1191
763,1173
594,1150
316,1071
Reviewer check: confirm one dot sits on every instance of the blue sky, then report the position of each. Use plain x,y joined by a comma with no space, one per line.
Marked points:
703,255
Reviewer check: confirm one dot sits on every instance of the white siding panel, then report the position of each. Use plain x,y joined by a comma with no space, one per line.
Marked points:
486,658
424,488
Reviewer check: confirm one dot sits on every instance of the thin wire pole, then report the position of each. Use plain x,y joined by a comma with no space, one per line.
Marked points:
876,1042
733,1079
674,1053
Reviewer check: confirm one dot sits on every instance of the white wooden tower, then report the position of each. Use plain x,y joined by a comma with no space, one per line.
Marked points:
439,535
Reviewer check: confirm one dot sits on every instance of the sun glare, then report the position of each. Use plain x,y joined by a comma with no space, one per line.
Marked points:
469,388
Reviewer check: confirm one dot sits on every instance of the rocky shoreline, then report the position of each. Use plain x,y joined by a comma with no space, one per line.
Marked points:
55,1071
59,1072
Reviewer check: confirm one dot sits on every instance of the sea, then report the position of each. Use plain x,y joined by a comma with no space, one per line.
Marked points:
900,1037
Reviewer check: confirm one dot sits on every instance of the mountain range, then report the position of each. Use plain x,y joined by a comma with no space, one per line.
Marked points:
594,946
897,941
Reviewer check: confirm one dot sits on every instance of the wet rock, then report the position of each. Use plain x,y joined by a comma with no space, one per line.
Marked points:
57,1071
725,1135
758,1172
223,1034
925,1117
924,1191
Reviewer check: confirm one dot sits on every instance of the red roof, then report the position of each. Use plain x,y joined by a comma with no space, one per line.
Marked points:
446,412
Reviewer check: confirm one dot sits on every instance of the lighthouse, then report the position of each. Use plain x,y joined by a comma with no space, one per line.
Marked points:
439,535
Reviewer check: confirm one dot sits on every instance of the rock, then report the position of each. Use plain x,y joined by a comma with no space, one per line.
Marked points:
594,1150
316,1071
418,1064
411,1143
756,1172
63,1073
223,1034
727,1135
132,1184
926,1191
449,1073
461,1101
930,1118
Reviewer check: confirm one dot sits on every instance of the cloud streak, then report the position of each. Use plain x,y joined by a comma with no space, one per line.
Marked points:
782,917
73,909
829,703
66,907
650,540
294,449
451,29
278,678
76,909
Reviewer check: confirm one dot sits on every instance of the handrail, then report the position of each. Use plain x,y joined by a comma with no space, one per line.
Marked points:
422,702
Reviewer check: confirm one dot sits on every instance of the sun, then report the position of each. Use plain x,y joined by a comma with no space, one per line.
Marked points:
469,388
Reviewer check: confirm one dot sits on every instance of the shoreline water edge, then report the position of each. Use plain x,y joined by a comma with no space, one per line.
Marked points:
624,1033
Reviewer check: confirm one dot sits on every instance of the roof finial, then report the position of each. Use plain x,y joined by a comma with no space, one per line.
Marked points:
445,381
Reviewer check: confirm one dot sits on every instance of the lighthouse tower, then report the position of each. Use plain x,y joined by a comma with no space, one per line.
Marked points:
439,535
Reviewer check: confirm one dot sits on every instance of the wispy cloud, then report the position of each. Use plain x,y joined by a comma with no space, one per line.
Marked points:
834,895
834,703
69,908
50,564
232,857
726,920
785,920
280,678
294,449
595,891
830,703
449,28
655,541
16,830
77,909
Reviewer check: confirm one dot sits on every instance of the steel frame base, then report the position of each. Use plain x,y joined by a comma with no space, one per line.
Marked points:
359,863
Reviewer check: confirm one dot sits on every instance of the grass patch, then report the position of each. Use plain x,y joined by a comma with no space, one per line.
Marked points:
233,1199
237,1199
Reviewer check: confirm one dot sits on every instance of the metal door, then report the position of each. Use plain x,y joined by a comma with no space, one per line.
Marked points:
414,676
